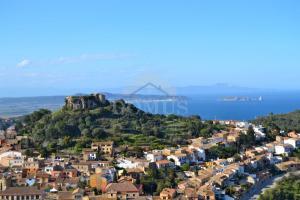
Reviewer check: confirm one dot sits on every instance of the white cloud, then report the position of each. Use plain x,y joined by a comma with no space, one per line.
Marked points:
24,63
74,59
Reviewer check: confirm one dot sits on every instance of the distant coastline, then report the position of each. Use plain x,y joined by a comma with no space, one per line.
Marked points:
241,98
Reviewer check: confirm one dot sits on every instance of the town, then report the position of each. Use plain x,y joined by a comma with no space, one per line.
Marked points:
103,171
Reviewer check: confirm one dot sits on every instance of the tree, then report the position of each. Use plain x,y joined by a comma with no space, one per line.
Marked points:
185,167
251,135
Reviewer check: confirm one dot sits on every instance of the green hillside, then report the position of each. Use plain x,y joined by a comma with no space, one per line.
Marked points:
118,121
275,123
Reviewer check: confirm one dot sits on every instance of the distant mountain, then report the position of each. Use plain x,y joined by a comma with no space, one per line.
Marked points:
219,89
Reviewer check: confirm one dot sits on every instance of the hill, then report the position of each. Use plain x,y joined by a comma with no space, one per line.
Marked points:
288,188
86,118
18,106
275,123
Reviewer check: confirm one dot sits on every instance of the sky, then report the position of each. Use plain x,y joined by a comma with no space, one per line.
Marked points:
57,47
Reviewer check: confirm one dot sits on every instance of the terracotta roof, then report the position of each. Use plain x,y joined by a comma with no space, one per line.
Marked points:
21,191
121,187
65,195
163,162
168,191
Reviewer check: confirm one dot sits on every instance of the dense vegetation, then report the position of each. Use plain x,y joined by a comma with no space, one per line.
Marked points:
156,180
288,188
275,123
123,123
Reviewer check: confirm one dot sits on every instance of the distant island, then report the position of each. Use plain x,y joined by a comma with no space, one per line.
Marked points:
241,98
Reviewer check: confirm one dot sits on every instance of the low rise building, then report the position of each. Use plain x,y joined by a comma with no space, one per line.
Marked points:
105,147
22,193
167,194
283,149
125,190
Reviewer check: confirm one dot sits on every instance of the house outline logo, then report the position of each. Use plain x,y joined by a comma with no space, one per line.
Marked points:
150,84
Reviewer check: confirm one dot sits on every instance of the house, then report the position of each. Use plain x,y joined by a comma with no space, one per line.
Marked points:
89,154
104,164
57,171
12,193
70,172
31,166
259,132
271,147
105,147
108,173
206,192
125,190
11,133
285,149
42,178
273,159
154,156
130,163
167,194
295,142
190,194
67,183
82,167
11,159
135,173
288,166
233,137
164,164
293,134
204,175
222,162
179,159
98,181
71,195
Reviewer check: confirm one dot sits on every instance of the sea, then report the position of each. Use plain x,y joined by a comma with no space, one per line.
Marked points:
207,106
216,107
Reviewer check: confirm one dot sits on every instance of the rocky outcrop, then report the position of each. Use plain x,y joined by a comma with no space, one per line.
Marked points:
85,102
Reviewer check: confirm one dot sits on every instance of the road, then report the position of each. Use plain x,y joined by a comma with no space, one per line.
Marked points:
262,186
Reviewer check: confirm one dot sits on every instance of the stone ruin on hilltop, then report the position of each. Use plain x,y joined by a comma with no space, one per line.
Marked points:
85,102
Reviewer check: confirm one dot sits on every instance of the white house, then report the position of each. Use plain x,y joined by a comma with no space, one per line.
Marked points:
154,156
199,153
243,125
259,132
179,159
131,163
295,142
285,149
10,154
274,159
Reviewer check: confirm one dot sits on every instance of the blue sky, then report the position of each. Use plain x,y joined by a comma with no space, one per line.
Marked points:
49,47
